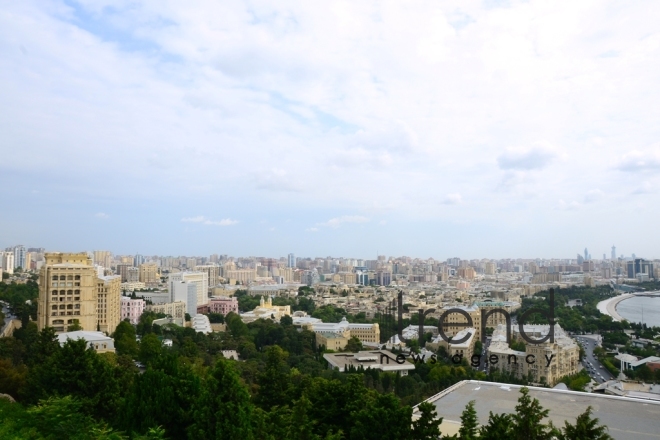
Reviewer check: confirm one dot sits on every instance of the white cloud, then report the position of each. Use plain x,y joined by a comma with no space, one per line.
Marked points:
339,221
206,221
568,206
452,199
101,215
537,157
640,161
593,196
312,229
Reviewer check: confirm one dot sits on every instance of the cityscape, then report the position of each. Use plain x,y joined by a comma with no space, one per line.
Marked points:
373,220
356,315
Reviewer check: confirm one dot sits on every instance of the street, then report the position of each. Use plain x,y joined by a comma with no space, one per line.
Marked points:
595,369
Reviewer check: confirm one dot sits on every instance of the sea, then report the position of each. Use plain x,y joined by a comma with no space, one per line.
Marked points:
640,308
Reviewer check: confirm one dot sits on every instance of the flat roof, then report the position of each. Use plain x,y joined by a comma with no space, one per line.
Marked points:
626,418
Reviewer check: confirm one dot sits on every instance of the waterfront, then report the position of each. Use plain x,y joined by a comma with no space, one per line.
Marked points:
631,309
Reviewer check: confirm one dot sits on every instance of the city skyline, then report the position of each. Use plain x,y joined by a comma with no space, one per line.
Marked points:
477,128
290,258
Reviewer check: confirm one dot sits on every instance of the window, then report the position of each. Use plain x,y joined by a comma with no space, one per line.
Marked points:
77,291
70,277
58,321
69,292
54,307
77,277
62,278
61,292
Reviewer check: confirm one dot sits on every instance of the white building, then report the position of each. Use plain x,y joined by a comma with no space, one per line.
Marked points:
96,340
185,291
202,324
200,279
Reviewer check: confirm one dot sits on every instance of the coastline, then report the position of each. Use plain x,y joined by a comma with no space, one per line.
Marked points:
608,306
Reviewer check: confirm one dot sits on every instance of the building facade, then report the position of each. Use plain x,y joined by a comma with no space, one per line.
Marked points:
132,309
68,292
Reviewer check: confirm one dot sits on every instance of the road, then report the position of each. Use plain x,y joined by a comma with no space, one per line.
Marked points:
8,316
595,369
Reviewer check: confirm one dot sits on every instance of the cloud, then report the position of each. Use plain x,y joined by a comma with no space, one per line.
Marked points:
593,196
277,180
101,215
568,206
537,157
638,161
338,221
206,221
312,229
452,199
645,188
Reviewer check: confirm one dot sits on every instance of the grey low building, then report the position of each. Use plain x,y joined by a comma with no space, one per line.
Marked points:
626,418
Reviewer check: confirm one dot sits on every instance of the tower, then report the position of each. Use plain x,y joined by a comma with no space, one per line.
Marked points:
613,252
586,254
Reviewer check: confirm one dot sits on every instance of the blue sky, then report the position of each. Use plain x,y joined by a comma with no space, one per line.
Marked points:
431,129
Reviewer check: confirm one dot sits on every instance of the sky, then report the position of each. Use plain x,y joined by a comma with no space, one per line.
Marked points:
475,129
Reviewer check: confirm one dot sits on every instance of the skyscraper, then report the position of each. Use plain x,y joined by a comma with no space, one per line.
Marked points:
19,257
586,254
613,252
291,261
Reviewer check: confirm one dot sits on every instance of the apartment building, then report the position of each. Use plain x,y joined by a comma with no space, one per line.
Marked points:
148,273
547,361
200,279
132,309
109,303
68,292
173,309
223,305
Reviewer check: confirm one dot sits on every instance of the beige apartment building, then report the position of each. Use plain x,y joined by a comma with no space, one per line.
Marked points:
148,273
174,309
548,361
109,303
450,328
244,276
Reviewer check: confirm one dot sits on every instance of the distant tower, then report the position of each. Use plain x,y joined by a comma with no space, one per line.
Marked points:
586,254
633,255
291,261
613,252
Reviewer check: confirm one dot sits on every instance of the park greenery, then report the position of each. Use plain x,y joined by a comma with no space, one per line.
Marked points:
281,388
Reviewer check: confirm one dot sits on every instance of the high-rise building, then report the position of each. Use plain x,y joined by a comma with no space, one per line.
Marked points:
613,252
19,257
148,273
132,275
137,260
212,272
7,260
490,268
200,279
108,303
103,258
68,292
291,261
586,254
640,266
122,271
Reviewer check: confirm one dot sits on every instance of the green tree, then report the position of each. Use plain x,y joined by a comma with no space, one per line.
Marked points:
150,349
223,410
427,426
499,427
528,419
274,381
80,372
74,327
384,418
469,423
585,428
353,345
125,342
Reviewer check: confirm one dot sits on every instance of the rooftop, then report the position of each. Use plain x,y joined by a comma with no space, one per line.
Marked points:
626,418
